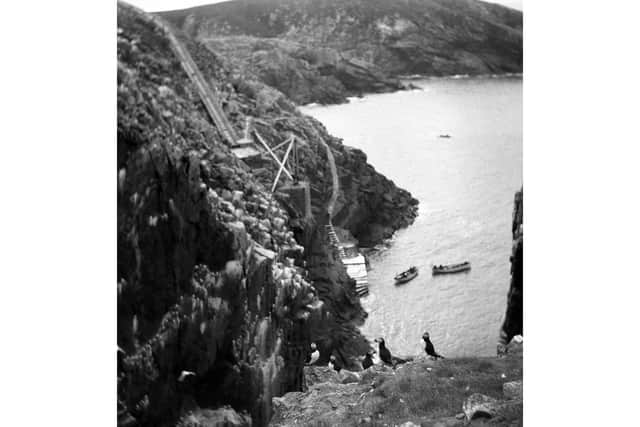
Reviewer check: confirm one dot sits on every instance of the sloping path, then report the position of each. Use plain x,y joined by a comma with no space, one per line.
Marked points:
362,284
335,183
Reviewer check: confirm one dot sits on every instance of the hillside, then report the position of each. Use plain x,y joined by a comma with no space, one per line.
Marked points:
221,287
356,46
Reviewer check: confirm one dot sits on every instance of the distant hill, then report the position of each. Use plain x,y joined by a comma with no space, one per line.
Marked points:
388,38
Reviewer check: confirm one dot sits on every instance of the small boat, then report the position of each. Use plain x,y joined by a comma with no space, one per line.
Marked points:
406,276
452,268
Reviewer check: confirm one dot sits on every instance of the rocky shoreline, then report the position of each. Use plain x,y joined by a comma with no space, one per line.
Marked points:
305,75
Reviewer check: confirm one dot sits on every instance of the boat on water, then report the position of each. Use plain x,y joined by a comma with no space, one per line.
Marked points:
451,268
406,276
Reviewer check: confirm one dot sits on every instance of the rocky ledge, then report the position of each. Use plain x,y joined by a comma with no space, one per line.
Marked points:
423,392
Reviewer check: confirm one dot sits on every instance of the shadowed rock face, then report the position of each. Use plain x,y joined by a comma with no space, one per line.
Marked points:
356,46
200,288
513,318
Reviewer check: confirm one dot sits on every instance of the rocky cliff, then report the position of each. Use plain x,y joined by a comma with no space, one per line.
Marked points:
220,289
512,324
354,46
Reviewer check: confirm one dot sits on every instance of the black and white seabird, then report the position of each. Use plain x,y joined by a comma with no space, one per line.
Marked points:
315,354
428,347
385,354
334,364
383,351
367,362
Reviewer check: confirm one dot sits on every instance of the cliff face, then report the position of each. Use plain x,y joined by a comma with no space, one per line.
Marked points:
513,318
200,289
209,312
358,45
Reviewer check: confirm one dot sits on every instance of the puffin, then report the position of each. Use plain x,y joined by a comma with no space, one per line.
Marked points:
314,356
334,364
428,347
385,354
367,362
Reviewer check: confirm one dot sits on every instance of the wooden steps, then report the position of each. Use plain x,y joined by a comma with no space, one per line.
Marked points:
361,285
208,97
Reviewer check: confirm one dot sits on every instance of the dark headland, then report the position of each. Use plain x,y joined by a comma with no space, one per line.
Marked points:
222,285
324,51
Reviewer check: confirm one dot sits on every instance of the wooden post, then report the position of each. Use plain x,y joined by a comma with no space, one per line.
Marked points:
294,168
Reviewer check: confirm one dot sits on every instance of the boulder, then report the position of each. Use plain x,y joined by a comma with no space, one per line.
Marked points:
320,374
347,377
512,390
278,223
237,196
479,405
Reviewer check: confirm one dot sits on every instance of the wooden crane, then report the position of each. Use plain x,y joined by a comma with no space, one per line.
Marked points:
282,163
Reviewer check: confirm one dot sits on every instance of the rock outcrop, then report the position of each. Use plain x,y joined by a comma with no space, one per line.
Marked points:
512,324
512,390
215,304
355,46
223,417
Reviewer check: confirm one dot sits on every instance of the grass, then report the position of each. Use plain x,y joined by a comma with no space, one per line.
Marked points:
426,392
417,392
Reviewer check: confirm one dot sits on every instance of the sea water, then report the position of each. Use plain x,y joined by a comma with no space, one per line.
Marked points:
465,185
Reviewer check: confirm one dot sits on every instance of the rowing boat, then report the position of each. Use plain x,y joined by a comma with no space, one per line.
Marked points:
406,276
452,268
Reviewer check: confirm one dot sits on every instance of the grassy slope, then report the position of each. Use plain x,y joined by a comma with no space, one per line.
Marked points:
424,392
415,393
